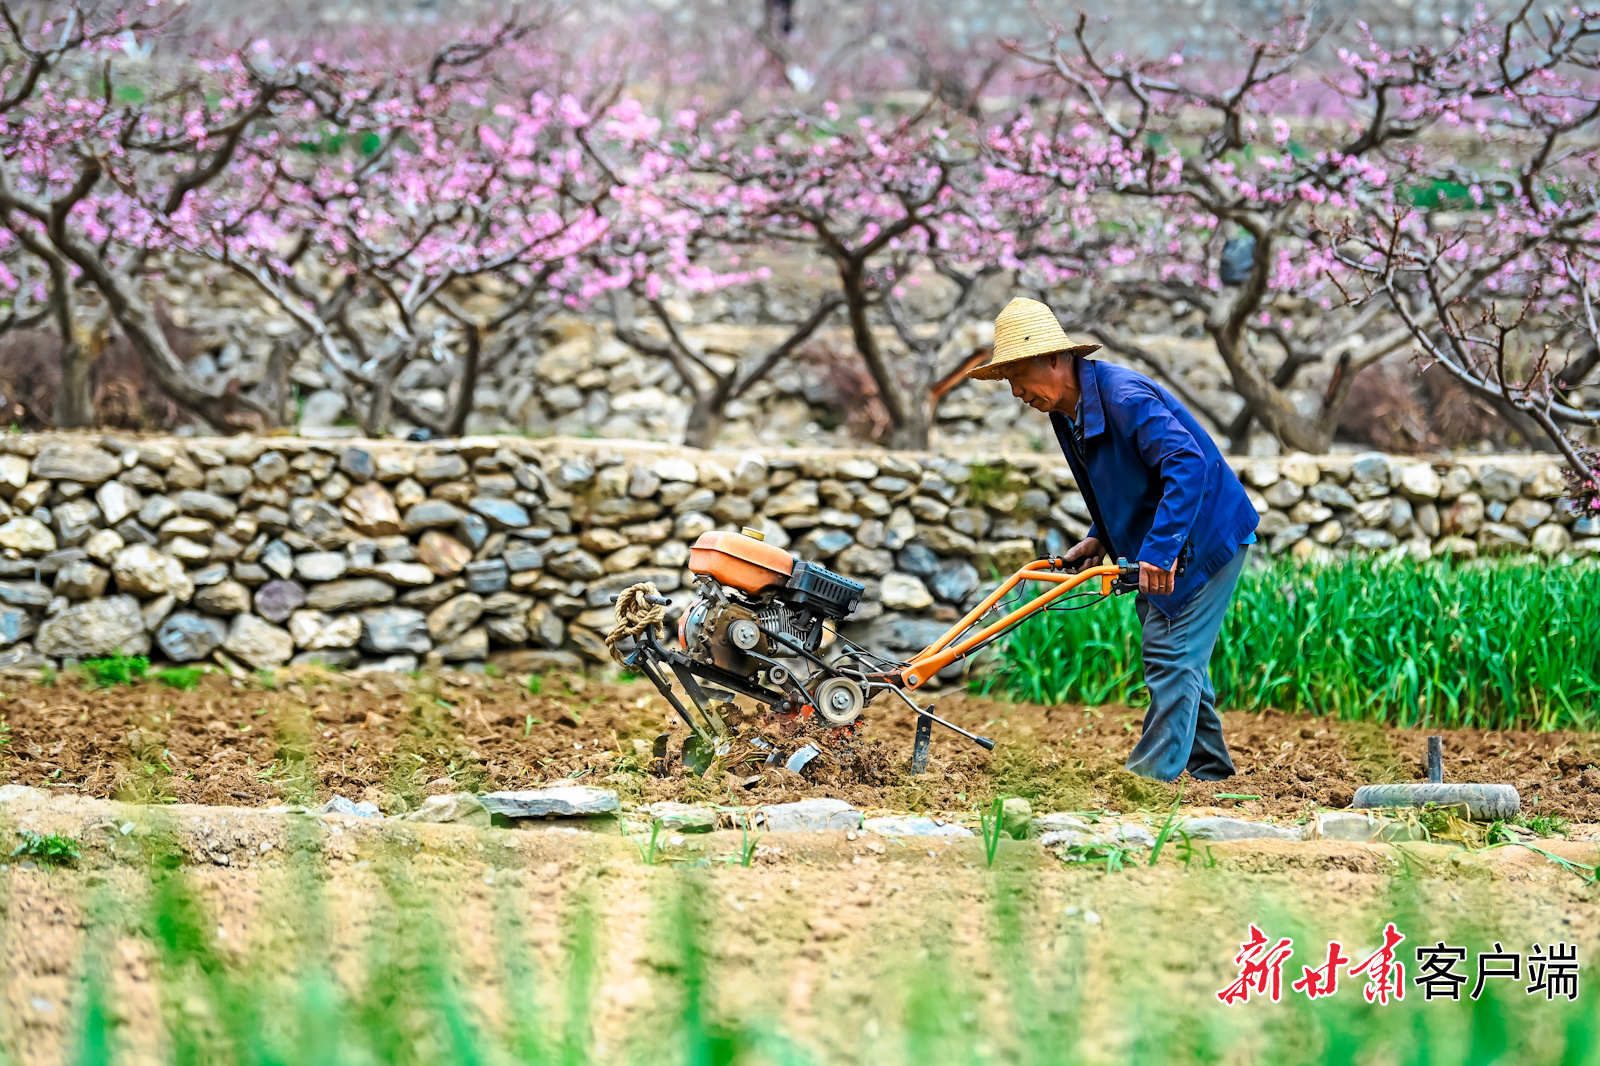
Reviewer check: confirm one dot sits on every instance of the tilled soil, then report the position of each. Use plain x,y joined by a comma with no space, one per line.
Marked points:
395,739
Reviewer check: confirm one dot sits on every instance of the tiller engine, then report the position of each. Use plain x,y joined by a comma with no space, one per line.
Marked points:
765,626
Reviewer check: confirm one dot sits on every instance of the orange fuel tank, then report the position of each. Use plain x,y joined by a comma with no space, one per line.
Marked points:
740,561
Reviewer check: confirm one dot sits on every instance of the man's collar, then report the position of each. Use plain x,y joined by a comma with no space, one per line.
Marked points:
1094,415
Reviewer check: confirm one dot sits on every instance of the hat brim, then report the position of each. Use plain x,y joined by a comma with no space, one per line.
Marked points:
998,370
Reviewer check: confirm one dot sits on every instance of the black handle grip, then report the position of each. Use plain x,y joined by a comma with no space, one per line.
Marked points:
985,743
1128,574
659,601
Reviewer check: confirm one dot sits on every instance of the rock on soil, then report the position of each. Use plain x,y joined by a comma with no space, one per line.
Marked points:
1360,828
340,805
1112,834
1239,829
562,801
684,817
810,816
462,808
914,826
1015,814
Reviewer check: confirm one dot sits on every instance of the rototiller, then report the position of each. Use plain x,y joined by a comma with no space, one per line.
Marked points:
765,626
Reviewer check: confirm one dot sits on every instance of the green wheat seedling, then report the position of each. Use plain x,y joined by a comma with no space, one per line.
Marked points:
747,844
1509,644
1166,828
1115,857
992,824
1187,852
647,852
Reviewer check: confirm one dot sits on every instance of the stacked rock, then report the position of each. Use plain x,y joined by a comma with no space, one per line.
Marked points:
1313,506
393,555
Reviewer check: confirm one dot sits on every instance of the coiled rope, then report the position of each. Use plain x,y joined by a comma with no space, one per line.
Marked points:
635,614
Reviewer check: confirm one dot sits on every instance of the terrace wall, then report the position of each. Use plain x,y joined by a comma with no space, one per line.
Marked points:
263,551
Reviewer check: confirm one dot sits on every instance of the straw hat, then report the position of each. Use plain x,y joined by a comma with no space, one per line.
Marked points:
1026,328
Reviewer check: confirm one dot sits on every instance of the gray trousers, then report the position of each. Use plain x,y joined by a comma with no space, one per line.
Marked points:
1182,730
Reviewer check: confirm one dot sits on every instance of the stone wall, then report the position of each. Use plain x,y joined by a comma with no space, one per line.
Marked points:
571,377
380,553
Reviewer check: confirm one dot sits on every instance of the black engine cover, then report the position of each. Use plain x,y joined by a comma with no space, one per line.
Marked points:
813,587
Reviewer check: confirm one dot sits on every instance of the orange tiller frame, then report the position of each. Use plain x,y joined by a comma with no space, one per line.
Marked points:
946,650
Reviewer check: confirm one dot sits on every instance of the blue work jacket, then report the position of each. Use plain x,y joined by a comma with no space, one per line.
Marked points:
1162,486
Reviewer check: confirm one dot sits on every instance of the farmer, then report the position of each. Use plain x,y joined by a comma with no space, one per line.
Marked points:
1158,492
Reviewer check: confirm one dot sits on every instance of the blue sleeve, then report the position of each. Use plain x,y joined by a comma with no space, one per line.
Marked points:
1167,447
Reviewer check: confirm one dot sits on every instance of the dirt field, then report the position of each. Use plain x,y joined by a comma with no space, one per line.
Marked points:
395,739
829,939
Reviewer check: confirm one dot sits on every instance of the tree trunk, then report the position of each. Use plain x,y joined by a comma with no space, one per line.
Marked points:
1239,432
853,281
465,398
138,322
706,420
272,392
1266,402
381,406
75,398
915,433
74,407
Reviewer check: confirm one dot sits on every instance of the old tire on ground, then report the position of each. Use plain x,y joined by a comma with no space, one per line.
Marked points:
1485,803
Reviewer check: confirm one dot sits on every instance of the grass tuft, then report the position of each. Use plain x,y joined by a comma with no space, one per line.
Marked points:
182,678
115,670
51,848
1546,825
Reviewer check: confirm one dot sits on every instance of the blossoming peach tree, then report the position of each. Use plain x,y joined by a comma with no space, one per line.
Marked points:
890,204
77,134
446,219
404,203
1496,281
